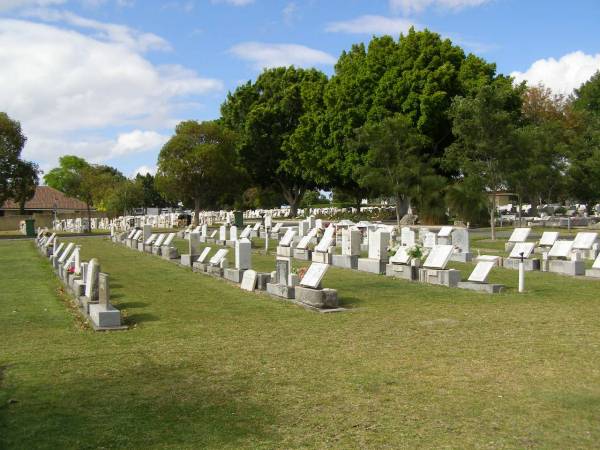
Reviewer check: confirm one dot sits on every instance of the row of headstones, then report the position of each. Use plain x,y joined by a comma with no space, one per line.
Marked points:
143,240
84,280
566,257
403,264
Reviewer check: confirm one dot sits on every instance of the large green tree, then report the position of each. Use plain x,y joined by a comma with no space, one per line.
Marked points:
24,183
12,142
92,184
486,146
587,97
394,164
278,122
198,165
416,76
151,198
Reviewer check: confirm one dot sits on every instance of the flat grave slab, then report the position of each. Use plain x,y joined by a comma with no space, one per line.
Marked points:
519,235
313,276
548,238
522,247
438,257
561,249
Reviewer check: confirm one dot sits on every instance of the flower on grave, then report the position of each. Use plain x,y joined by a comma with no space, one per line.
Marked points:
301,272
416,252
71,269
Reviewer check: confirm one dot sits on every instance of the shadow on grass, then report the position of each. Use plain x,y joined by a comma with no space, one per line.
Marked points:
134,319
129,305
145,406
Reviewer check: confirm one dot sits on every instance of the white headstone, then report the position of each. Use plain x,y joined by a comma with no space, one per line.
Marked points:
287,238
351,242
584,241
91,277
326,240
223,233
429,239
137,235
268,222
561,249
445,231
204,230
203,255
378,242
519,235
57,250
460,240
213,234
438,257
169,239
548,238
66,253
246,232
407,237
257,226
481,271
401,256
150,239
233,233
243,254
159,240
596,264
249,280
522,247
313,276
277,227
219,256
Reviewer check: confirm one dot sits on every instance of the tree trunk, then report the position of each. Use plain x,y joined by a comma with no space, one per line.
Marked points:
196,212
493,216
22,208
358,203
89,217
293,196
520,210
398,211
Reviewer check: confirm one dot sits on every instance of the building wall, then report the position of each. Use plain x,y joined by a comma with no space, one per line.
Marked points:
10,221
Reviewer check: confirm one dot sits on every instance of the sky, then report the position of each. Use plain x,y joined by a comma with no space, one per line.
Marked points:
108,80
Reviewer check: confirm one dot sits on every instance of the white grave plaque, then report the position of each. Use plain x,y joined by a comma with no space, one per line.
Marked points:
219,256
445,231
438,257
522,247
313,276
548,238
249,280
65,254
584,241
401,256
159,240
561,249
481,271
203,255
326,240
169,239
287,238
519,235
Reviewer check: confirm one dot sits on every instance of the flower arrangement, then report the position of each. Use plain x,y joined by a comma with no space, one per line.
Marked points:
71,269
301,272
416,252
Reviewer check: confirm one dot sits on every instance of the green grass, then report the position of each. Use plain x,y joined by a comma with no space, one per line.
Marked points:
206,365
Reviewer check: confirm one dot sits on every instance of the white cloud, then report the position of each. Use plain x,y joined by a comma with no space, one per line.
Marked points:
562,75
374,25
118,34
69,90
143,170
137,141
6,5
234,2
263,55
289,13
416,6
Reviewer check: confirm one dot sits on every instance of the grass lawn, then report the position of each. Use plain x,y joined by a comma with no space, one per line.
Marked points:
206,365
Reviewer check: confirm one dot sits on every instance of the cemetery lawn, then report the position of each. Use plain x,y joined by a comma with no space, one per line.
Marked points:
206,365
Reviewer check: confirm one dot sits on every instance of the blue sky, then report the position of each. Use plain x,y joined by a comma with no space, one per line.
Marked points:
108,79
